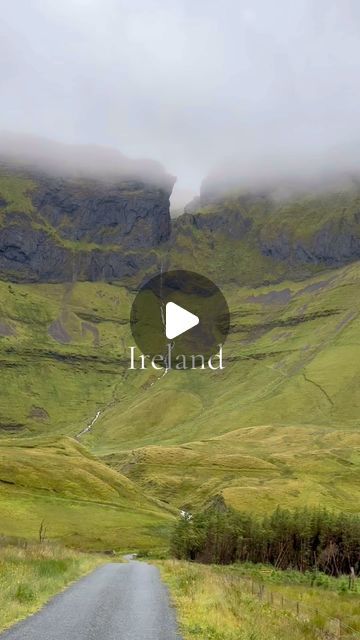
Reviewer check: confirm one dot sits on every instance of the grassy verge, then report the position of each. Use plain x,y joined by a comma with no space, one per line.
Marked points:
314,595
217,603
33,573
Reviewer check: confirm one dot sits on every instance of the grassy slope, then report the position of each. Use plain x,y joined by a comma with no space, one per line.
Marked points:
52,368
81,501
31,575
271,346
216,603
279,424
54,379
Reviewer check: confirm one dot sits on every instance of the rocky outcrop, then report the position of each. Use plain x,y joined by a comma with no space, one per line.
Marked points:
236,225
30,255
307,228
75,221
131,214
55,229
333,244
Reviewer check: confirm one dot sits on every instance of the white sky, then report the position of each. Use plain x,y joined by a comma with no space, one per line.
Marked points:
188,82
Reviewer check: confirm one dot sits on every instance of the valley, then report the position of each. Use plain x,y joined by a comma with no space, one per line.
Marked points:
97,456
278,425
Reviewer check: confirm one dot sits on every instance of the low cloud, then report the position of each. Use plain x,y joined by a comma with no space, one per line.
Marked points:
257,88
94,161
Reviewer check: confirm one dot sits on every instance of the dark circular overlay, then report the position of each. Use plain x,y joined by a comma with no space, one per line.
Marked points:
193,292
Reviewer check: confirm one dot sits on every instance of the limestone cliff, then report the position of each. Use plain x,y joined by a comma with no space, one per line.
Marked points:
260,236
59,228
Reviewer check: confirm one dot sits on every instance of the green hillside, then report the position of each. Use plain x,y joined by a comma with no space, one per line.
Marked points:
61,354
77,498
278,425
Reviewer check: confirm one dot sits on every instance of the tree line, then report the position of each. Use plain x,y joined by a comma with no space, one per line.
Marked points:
303,539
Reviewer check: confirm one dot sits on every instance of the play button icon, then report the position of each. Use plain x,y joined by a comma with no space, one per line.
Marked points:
178,320
179,311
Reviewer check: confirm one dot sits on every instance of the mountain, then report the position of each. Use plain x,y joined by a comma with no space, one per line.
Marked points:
87,213
254,237
79,214
279,425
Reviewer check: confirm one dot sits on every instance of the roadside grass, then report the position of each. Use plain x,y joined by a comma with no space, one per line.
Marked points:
211,606
222,603
290,578
315,594
30,574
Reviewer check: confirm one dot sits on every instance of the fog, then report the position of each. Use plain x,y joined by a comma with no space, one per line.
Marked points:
94,161
257,88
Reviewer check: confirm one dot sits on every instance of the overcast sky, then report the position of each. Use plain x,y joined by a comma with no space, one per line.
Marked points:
186,82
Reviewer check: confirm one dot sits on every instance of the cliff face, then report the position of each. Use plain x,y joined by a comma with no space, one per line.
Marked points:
333,242
59,229
131,214
58,226
261,237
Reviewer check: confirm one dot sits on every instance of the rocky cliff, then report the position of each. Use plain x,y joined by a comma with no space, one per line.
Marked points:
60,228
95,215
265,236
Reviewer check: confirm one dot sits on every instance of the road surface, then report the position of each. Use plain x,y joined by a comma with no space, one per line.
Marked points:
115,602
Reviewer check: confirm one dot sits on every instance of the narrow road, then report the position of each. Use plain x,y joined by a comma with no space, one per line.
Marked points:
115,602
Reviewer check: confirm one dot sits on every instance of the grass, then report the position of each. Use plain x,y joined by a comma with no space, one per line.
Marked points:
83,502
253,602
212,606
30,574
271,348
69,380
16,192
263,466
315,592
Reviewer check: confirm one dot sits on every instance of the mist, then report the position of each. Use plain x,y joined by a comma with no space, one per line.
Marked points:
93,161
240,90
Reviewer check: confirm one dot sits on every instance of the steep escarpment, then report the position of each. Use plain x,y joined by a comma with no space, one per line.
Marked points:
260,236
60,225
75,214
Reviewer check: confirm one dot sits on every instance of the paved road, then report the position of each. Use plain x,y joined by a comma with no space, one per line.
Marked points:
115,602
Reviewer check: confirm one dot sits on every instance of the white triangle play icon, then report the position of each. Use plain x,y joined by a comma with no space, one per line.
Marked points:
178,320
